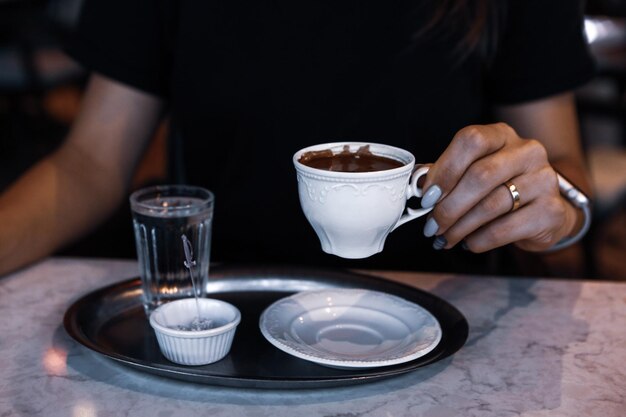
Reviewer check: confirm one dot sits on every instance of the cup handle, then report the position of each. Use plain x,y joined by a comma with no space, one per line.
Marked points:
414,191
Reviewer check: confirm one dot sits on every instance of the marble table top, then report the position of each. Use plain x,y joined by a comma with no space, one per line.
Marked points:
536,348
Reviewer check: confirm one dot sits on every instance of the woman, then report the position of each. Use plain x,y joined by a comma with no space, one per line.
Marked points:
481,89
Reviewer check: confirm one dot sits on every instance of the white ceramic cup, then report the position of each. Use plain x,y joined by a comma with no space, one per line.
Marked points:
353,212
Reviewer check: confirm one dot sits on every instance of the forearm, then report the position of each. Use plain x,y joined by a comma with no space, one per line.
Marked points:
71,191
60,198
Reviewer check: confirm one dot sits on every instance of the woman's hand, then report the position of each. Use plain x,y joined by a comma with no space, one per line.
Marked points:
474,206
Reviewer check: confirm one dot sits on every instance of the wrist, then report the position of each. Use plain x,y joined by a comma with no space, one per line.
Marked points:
581,212
575,220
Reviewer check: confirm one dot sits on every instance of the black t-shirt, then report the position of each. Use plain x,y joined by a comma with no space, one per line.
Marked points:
249,83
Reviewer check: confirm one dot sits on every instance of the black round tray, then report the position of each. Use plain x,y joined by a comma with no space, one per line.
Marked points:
111,321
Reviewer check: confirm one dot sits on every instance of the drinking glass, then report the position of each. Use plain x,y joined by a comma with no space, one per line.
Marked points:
161,216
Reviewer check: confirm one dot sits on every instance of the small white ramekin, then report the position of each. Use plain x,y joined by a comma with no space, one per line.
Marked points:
189,347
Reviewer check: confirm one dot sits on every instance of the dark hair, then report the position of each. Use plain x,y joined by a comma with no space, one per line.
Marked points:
474,23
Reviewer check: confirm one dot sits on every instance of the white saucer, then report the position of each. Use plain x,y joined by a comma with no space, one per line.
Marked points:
350,328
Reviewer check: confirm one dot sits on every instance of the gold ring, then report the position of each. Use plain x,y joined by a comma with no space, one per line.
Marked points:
514,195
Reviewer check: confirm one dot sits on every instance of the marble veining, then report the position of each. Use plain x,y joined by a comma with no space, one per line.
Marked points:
536,348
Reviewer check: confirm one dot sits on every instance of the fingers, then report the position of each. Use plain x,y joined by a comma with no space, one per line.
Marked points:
478,181
498,203
472,205
468,145
485,177
534,227
466,181
476,153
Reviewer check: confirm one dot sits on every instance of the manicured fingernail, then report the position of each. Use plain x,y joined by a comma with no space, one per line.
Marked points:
431,227
431,196
439,243
464,245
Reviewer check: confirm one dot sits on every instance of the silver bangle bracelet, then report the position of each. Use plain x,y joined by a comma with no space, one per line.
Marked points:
579,200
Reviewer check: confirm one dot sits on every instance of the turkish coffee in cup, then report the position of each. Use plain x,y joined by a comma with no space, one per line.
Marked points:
360,160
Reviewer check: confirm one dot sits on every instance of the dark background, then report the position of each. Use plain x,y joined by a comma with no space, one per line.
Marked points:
41,88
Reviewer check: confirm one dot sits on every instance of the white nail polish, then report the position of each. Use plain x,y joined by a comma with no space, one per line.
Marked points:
431,227
431,196
439,243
